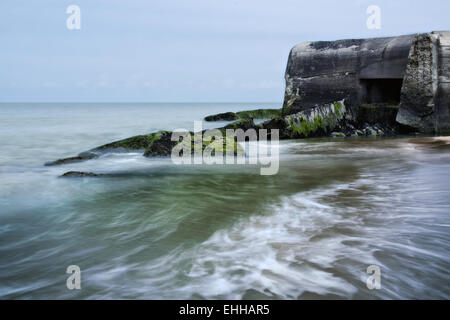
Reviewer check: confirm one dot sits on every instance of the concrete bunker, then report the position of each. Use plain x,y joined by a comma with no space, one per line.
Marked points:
410,73
381,91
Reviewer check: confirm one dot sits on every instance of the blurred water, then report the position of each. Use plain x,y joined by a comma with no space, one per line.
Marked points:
155,230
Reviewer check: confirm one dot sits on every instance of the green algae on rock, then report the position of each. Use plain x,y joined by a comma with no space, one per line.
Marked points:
243,124
133,143
316,121
250,114
215,142
157,144
141,142
226,116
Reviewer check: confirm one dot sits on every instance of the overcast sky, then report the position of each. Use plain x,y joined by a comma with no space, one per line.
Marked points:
179,51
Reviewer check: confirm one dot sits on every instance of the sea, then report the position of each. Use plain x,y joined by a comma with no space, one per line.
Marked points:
336,210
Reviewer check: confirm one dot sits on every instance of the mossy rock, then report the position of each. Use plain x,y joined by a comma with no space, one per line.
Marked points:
250,114
304,128
165,145
81,157
243,124
133,143
79,174
317,121
226,116
161,144
259,114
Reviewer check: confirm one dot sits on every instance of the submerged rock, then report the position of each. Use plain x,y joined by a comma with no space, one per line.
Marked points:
81,157
161,145
158,144
243,124
141,142
79,174
135,143
331,119
226,116
164,145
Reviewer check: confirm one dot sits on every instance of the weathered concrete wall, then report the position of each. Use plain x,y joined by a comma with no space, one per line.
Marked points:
419,86
325,71
425,99
442,99
365,70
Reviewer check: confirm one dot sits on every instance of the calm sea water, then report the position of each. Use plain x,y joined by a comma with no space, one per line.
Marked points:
156,230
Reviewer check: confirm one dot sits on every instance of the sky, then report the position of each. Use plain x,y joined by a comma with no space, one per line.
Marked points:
179,51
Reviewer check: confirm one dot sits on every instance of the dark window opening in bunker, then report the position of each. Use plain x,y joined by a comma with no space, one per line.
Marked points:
381,91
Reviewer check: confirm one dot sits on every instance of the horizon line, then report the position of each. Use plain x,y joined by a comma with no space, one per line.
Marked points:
136,102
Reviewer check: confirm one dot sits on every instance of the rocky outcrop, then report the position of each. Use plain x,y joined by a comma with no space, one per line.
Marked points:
337,120
141,142
410,73
158,144
226,116
318,121
81,157
250,114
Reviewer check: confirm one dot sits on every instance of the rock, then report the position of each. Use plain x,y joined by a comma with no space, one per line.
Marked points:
164,145
140,142
226,116
161,145
79,174
251,114
156,144
243,124
259,114
316,121
276,123
81,157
